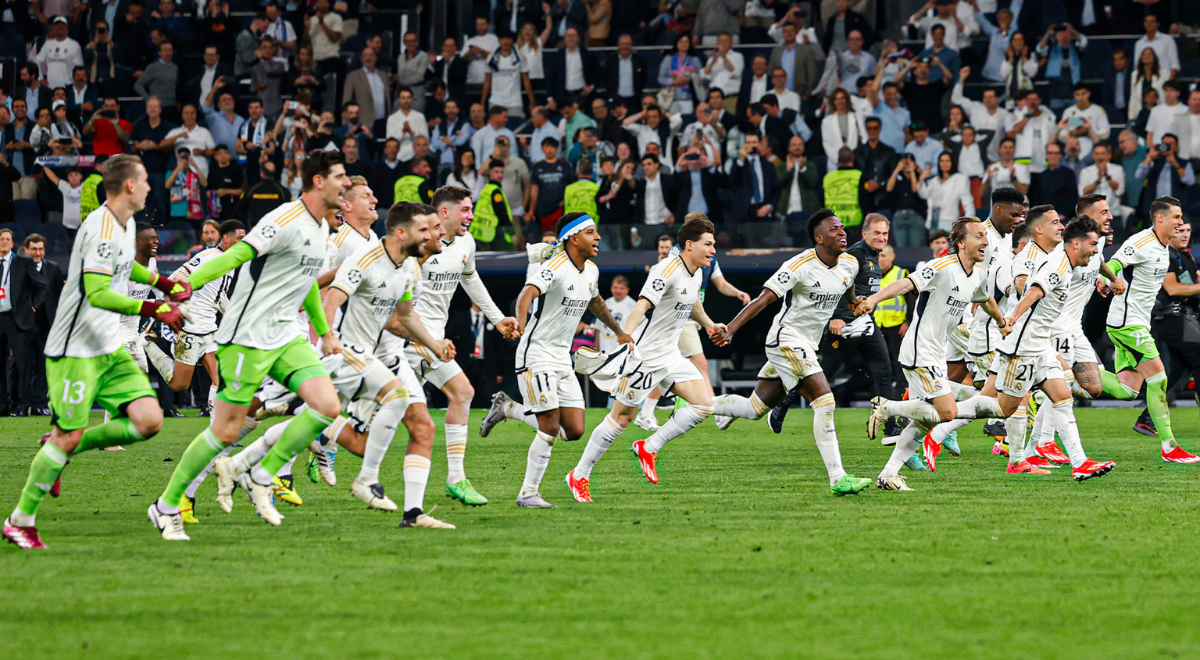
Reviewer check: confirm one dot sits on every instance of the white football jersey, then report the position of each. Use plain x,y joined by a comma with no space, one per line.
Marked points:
673,291
1024,264
344,242
810,291
101,246
290,243
374,284
138,291
620,310
1031,335
440,277
566,291
1083,284
944,291
997,257
209,299
1144,264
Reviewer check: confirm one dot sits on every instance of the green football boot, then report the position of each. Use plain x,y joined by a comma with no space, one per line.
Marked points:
464,492
849,485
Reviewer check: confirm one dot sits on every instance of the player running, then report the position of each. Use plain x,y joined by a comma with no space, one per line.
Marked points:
1144,256
548,312
86,362
811,286
667,302
280,260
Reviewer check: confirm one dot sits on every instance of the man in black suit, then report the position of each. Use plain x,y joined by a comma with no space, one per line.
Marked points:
571,71
756,81
52,275
695,186
716,101
451,69
32,91
755,185
774,127
527,11
625,73
1117,81
21,291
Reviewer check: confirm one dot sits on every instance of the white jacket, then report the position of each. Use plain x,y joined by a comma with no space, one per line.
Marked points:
831,134
947,197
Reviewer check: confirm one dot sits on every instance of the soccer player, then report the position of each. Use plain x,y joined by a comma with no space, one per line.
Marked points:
1144,258
279,261
946,287
672,291
358,215
441,275
86,361
548,312
811,286
146,251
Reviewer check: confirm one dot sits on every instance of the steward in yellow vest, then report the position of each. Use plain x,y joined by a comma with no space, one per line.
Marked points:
89,195
493,213
842,191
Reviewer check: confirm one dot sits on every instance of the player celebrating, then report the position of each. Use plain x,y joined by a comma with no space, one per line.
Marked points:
811,284
548,312
946,287
673,291
280,260
86,362
1144,255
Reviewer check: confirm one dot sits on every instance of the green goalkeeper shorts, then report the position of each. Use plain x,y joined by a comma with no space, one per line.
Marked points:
243,369
1133,345
76,384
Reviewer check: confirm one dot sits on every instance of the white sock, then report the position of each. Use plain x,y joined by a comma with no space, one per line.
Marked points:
906,445
456,450
107,417
962,392
161,361
1068,430
416,477
536,463
332,433
248,426
647,407
733,405
825,433
212,395
1014,430
252,454
1043,426
286,470
943,430
383,428
514,410
602,437
916,410
681,422
978,407
195,485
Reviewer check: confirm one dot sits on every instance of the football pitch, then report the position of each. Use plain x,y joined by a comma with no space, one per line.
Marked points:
739,552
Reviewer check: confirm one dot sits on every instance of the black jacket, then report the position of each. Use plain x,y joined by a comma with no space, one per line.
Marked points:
681,193
556,72
612,74
456,81
741,183
189,91
854,21
668,183
52,275
866,282
528,11
26,290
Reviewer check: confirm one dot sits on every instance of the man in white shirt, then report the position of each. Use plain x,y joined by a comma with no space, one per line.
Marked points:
1164,114
724,69
59,55
804,35
986,115
705,125
1163,45
788,100
542,129
957,17
479,48
281,30
1007,172
854,62
325,31
406,124
1187,127
1032,128
760,82
1085,120
652,192
1103,178
507,74
209,76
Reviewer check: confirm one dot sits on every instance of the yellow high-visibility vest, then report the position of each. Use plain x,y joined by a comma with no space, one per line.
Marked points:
891,312
841,195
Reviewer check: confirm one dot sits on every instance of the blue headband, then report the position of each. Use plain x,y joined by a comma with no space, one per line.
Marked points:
575,226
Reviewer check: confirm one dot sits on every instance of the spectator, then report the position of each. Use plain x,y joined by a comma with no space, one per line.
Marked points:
291,174
507,75
160,78
985,116
465,174
922,93
263,197
367,88
971,158
723,70
168,19
41,136
1149,102
1163,45
652,194
1007,172
186,183
494,226
839,26
840,128
255,132
388,171
354,165
1103,178
220,30
52,275
59,55
877,161
225,184
25,290
542,128
679,72
1117,84
800,182
587,147
9,178
324,29
616,198
323,139
998,36
756,81
1187,127
129,40
443,136
81,97
63,129
484,140
754,182
451,69
786,98
248,43
548,182
946,55
224,124
1032,128
530,44
714,17
903,197
421,152
580,195
797,61
775,126
1019,67
1056,184
32,91
197,139
18,147
924,149
46,11
625,73
406,123
149,142
72,194
110,132
1073,157
282,31
412,70
854,62
1085,120
948,193
705,130
653,131
416,186
893,117
1165,175
796,16
599,16
479,48
1164,114
516,178
266,77
1063,66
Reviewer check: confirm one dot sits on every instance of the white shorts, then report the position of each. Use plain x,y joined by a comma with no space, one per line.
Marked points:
926,383
273,393
689,340
137,350
1075,349
631,390
983,363
791,364
362,409
545,388
428,367
957,345
356,374
1016,375
189,348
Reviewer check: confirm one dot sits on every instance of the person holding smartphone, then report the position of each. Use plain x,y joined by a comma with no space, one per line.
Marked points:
110,132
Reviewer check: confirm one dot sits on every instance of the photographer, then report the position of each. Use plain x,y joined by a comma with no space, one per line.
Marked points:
1164,173
906,203
1063,68
922,93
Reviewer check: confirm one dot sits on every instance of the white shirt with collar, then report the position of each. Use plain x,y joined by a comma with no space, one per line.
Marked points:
655,202
721,77
788,100
206,81
575,80
759,87
970,161
6,262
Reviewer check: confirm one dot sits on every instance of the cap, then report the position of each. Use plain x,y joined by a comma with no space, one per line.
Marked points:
59,19
57,104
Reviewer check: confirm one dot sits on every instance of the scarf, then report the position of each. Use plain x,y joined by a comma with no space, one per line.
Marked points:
260,132
187,189
1017,79
1054,67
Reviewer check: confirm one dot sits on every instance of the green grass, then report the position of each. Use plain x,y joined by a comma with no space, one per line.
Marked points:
740,552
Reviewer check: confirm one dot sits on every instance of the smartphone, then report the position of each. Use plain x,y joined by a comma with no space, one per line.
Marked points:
108,114
692,157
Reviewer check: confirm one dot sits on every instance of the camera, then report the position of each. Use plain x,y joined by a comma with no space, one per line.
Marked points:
108,114
1163,147
692,156
1059,27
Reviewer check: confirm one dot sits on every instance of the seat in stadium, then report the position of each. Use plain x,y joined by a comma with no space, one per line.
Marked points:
18,231
27,213
58,241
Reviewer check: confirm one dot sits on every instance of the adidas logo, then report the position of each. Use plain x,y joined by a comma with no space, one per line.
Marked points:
816,285
955,288
571,288
433,261
307,243
383,285
684,292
